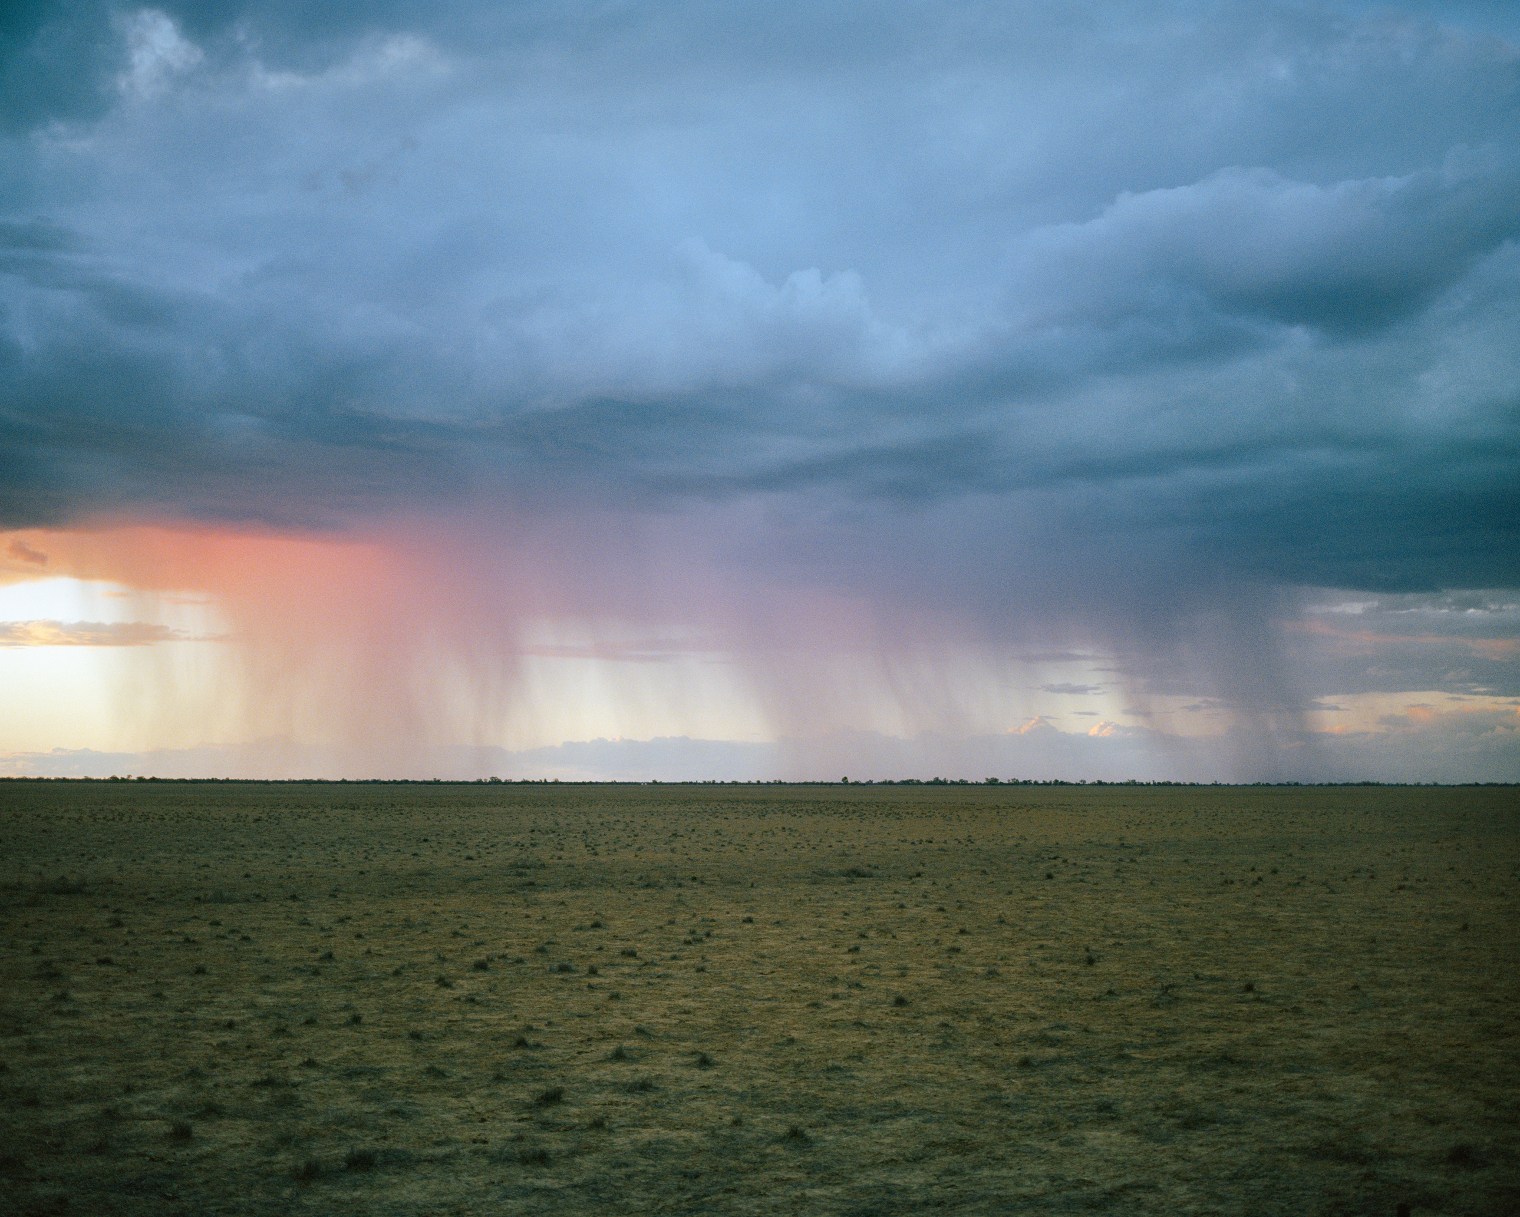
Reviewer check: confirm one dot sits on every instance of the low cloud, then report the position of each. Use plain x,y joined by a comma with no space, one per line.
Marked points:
1452,747
89,634
22,552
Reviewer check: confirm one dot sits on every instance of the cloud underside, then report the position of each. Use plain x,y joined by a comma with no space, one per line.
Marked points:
508,259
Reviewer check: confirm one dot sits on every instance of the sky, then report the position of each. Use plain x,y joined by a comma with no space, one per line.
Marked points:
683,390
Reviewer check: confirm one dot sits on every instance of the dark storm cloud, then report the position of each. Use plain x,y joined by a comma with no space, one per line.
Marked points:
1135,323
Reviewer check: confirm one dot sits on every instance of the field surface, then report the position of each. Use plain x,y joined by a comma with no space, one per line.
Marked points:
475,999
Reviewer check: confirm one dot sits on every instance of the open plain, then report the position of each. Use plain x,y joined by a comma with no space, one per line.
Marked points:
223,998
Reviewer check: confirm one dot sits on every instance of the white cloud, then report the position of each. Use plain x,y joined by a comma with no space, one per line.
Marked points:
156,53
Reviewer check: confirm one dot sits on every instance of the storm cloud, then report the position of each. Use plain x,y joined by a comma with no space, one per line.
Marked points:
1141,335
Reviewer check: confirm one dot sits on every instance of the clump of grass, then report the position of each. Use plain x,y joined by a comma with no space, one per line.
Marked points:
361,1160
307,1171
534,1155
552,1097
180,1130
899,1001
703,1061
796,1135
620,1053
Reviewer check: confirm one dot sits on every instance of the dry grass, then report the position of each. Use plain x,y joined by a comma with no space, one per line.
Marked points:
227,999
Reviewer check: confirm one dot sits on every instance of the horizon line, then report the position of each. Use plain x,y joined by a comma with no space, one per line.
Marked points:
935,781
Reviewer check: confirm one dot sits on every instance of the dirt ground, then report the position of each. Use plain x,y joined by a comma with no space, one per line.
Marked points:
552,999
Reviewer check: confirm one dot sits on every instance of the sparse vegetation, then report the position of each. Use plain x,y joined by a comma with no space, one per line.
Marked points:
726,999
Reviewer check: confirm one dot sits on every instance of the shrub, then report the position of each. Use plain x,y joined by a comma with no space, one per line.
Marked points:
361,1160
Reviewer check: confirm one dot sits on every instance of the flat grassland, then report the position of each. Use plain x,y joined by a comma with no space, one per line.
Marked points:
555,999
